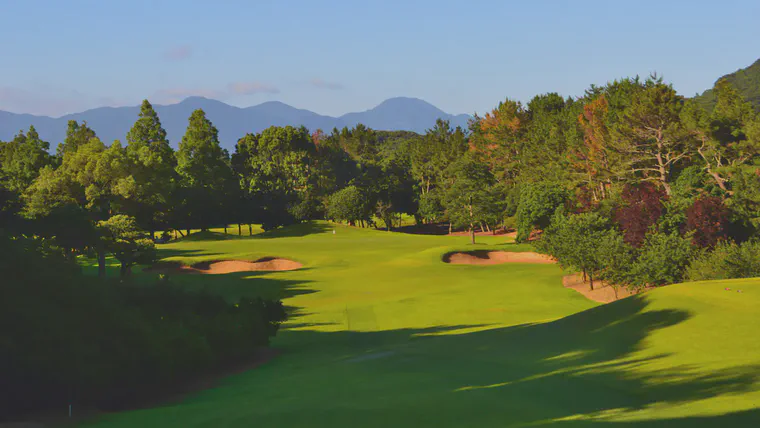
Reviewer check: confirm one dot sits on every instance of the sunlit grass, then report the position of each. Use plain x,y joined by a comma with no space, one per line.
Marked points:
383,334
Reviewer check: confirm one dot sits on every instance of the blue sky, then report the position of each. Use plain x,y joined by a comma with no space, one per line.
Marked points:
334,57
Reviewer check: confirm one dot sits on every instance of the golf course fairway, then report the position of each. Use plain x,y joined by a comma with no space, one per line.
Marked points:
383,333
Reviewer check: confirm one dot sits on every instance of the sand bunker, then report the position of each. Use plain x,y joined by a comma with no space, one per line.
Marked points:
602,292
265,264
483,257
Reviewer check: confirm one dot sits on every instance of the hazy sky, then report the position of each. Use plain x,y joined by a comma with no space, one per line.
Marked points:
333,57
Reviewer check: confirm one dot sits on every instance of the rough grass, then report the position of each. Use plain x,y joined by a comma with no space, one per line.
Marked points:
385,334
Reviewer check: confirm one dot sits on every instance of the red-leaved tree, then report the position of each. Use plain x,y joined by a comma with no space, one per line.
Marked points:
708,219
642,206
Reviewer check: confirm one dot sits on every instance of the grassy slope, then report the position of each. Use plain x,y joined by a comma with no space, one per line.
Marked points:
387,335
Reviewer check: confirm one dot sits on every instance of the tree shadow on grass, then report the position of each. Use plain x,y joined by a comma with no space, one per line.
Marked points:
583,366
165,253
295,230
233,286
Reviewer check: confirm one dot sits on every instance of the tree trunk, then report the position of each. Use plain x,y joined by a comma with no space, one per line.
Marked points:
225,228
449,228
125,271
720,181
188,232
661,168
101,259
472,233
250,230
591,280
240,230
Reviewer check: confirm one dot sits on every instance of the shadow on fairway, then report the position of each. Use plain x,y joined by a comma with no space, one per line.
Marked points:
296,230
550,373
234,285
174,252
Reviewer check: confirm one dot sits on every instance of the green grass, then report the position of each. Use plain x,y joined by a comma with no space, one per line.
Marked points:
385,334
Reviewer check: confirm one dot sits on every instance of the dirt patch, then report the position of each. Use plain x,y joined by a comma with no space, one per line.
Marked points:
602,292
484,257
265,264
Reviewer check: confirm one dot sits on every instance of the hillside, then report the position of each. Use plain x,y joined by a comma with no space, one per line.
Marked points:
112,123
745,80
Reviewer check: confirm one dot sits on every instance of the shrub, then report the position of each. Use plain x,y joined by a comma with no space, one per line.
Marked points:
617,257
726,260
68,338
662,260
349,204
708,264
538,202
587,243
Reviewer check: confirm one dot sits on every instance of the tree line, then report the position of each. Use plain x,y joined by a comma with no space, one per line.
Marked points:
643,158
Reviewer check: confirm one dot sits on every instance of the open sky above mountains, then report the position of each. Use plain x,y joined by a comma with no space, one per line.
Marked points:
463,57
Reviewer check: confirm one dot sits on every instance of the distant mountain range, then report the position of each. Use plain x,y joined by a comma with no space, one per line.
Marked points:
112,123
747,83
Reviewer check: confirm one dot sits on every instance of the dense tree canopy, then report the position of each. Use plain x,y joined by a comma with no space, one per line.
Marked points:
633,155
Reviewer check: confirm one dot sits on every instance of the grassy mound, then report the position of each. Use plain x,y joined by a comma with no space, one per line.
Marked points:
384,334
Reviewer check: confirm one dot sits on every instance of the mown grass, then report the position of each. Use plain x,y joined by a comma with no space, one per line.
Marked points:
384,334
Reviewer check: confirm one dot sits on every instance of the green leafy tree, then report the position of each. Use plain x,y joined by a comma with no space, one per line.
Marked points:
332,168
650,134
745,201
431,206
472,198
93,178
662,260
21,160
538,202
153,167
431,154
551,127
205,173
582,242
275,169
76,136
724,138
617,258
127,242
349,204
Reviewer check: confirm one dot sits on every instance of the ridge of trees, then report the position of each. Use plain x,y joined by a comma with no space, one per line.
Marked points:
632,150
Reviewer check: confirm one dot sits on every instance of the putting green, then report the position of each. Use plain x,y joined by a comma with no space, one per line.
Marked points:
384,333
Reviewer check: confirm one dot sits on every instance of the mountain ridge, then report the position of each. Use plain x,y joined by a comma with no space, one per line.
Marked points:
113,123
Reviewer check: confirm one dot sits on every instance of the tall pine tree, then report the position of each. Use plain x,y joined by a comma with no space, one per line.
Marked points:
153,167
205,173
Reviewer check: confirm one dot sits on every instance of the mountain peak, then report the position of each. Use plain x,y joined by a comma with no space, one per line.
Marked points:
405,102
394,114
